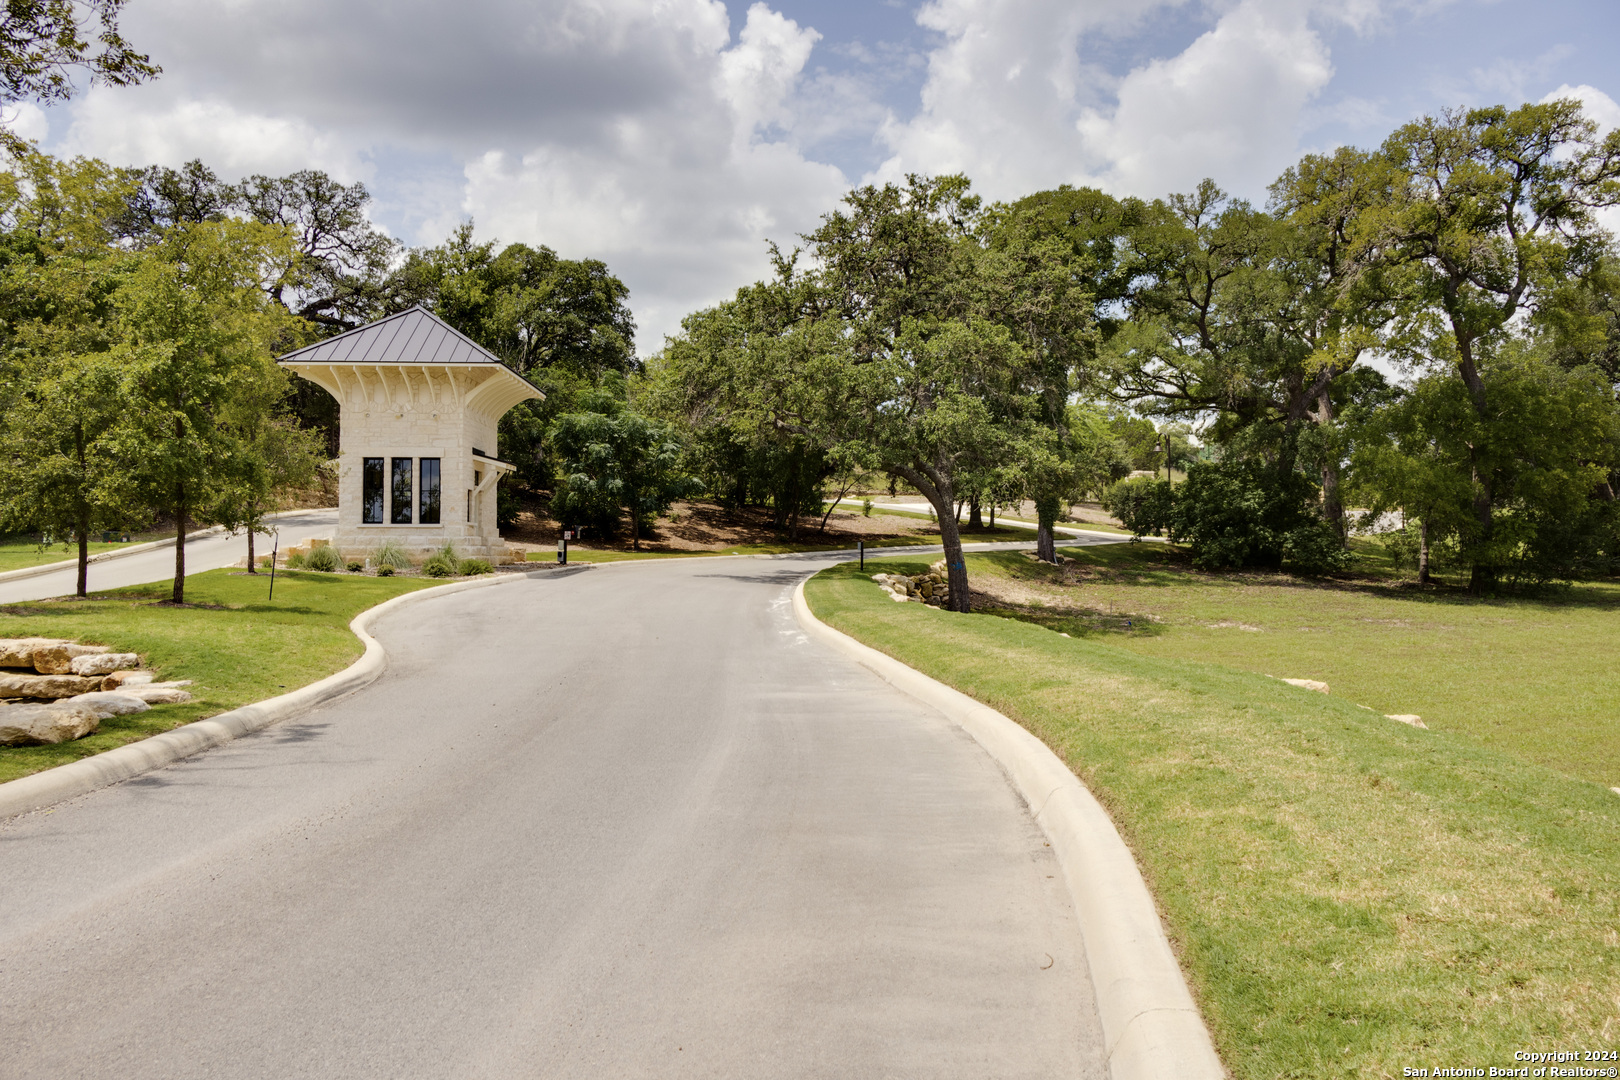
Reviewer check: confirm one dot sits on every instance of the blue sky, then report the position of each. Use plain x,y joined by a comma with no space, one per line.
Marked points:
672,138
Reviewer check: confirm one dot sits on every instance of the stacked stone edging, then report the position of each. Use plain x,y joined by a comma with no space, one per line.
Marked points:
932,588
58,690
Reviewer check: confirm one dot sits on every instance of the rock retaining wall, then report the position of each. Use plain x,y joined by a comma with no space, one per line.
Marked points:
54,691
932,588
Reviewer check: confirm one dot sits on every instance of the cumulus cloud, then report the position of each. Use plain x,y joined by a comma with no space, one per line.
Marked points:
635,131
1229,107
1009,100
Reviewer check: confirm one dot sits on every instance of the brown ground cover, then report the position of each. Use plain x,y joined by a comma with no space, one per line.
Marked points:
705,526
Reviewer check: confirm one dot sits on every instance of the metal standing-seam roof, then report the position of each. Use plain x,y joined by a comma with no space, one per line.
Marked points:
414,336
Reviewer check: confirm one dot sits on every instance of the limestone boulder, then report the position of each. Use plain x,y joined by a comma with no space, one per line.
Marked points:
108,703
104,663
19,652
49,687
1408,718
58,659
128,677
1308,684
163,693
55,722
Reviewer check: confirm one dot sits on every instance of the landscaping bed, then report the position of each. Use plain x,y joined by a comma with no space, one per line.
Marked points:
1348,895
235,645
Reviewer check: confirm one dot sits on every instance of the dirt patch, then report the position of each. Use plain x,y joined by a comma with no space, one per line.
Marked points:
703,526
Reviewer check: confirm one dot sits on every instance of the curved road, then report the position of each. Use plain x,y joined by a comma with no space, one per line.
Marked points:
619,821
204,553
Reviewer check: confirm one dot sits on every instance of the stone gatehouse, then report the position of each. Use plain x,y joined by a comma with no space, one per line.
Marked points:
419,403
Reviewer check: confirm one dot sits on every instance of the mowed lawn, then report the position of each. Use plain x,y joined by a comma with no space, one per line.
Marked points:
1349,896
1533,676
20,554
235,644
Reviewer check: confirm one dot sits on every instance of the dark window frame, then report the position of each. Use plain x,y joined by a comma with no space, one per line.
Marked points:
371,491
429,492
399,490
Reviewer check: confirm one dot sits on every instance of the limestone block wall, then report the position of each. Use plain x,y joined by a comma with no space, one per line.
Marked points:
420,412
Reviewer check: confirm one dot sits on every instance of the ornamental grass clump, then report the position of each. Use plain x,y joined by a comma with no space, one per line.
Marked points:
324,559
392,556
442,563
295,560
474,567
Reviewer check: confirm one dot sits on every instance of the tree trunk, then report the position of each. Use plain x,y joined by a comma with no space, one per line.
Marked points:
992,516
180,509
975,520
938,492
635,531
84,513
1482,579
1423,552
1046,512
84,551
1332,506
252,569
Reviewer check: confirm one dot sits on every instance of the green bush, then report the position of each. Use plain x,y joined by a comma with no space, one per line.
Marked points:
443,563
295,560
392,556
385,571
1244,513
356,567
324,559
474,567
1142,505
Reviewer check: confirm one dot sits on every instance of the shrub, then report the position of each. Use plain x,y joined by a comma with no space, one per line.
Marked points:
442,563
392,556
1142,505
474,567
1244,513
866,508
385,571
324,559
295,560
356,567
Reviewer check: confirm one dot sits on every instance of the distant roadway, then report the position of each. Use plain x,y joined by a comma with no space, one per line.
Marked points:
203,553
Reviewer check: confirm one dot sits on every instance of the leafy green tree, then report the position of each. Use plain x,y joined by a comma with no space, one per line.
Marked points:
1550,439
1492,212
564,325
44,47
59,272
615,460
198,331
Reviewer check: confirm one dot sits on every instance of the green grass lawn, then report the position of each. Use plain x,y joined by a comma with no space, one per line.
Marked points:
234,644
1528,675
20,554
1348,895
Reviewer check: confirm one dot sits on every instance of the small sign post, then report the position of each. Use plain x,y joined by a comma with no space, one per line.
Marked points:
562,549
275,547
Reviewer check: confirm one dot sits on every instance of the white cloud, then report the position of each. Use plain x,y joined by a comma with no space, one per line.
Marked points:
113,125
1600,107
1009,100
1229,107
25,120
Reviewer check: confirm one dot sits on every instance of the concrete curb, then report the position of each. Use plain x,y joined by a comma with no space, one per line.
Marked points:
76,778
133,549
1152,1029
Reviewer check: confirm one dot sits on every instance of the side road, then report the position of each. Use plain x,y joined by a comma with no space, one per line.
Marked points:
208,549
689,843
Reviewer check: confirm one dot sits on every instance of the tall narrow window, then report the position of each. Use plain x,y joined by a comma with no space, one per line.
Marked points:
371,491
427,512
402,492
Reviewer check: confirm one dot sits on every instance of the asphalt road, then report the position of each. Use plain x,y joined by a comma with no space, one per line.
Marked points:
617,821
203,553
